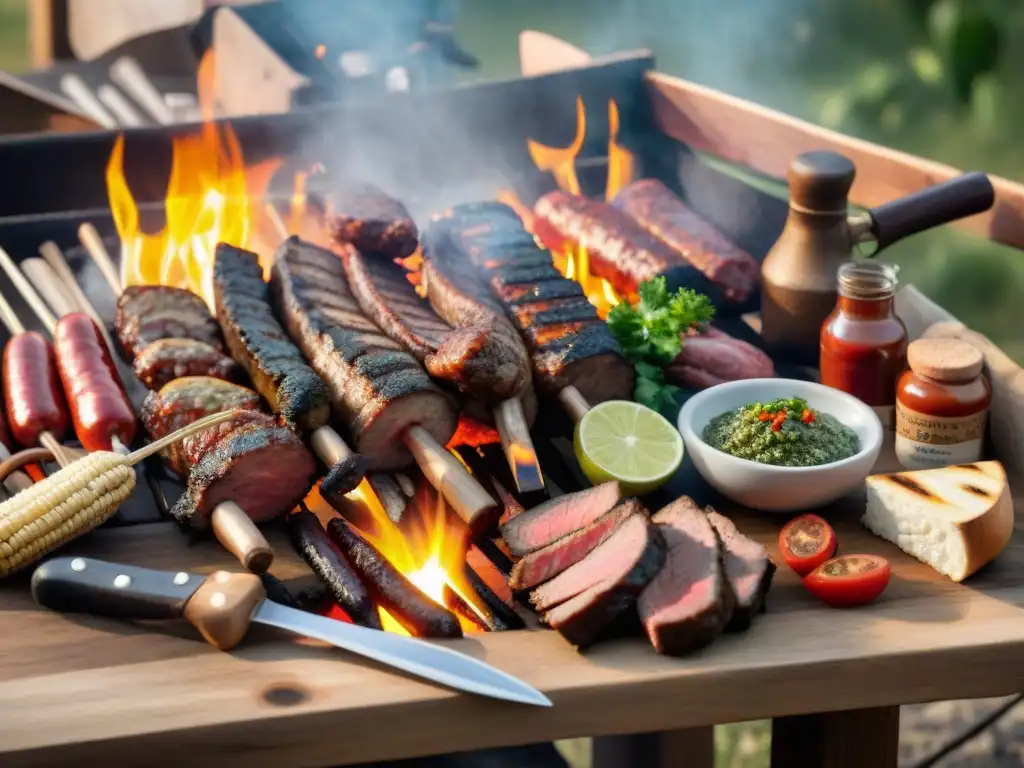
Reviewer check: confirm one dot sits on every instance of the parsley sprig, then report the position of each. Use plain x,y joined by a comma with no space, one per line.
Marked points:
650,335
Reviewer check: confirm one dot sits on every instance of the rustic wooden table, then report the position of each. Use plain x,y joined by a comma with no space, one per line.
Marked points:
81,688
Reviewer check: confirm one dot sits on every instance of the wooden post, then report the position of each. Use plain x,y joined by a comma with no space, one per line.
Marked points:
859,738
48,31
685,748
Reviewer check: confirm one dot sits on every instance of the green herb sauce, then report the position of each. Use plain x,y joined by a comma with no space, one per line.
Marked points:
782,432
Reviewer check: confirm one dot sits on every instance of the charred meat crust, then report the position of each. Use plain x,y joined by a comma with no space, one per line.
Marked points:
502,615
748,568
538,300
467,343
371,220
252,461
416,612
332,568
344,476
148,313
165,360
377,389
660,212
187,400
258,342
690,602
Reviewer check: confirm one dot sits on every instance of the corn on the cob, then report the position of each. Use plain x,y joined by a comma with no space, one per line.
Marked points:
74,500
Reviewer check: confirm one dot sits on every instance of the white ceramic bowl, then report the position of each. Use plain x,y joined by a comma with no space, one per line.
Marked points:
767,487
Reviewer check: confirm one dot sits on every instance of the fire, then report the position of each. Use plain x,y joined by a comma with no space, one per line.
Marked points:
320,51
209,200
572,259
428,547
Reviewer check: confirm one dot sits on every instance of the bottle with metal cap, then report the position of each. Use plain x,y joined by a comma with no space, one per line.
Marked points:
798,276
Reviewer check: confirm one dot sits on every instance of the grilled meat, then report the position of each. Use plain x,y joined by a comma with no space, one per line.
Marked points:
188,399
410,607
546,563
712,357
689,602
474,346
748,568
547,523
569,344
323,558
661,213
260,345
252,461
366,217
167,359
148,313
586,599
377,389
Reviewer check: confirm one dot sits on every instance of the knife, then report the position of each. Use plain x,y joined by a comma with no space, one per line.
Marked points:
223,605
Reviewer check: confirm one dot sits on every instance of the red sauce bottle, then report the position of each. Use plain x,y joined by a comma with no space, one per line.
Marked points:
863,342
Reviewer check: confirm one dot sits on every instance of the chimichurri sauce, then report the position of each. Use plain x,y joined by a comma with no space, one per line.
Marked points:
783,432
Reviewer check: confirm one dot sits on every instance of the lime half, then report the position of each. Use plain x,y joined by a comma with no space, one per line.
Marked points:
628,442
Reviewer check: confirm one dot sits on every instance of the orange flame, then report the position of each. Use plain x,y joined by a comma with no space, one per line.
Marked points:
320,51
428,547
570,258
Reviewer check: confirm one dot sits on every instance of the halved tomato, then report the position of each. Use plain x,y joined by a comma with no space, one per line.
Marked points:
806,542
849,580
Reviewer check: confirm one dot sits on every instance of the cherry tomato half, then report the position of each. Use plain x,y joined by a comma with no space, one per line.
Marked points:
806,542
849,580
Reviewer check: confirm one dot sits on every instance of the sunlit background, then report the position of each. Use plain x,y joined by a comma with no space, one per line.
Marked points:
937,78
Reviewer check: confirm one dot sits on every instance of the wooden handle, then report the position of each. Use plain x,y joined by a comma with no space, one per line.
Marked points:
443,471
574,403
49,286
222,608
239,535
61,453
28,293
518,445
129,75
348,468
93,244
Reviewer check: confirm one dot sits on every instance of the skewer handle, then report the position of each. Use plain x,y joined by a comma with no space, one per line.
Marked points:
574,403
93,244
76,89
348,468
50,287
518,445
467,497
9,318
239,535
130,76
28,293
61,453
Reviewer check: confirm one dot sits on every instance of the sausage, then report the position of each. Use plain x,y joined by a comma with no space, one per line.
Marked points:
32,390
410,607
99,406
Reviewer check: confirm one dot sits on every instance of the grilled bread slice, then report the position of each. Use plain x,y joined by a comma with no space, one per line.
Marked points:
956,519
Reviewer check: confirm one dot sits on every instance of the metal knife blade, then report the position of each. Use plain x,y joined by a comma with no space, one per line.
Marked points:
83,585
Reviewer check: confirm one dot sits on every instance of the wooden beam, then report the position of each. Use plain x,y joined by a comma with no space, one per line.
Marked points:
861,738
766,141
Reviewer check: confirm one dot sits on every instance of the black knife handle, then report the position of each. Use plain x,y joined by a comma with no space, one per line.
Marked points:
83,585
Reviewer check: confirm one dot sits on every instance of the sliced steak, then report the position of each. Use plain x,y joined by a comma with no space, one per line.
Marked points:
593,594
550,521
377,389
260,345
252,461
690,602
165,360
148,313
547,562
368,218
748,567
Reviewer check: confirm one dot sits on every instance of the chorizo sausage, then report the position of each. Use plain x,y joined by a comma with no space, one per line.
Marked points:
99,406
32,391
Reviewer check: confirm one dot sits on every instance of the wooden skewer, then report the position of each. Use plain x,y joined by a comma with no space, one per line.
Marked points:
93,244
121,108
275,220
58,264
46,283
518,445
130,76
574,403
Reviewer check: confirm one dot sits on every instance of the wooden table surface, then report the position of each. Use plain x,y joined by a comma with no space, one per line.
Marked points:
78,688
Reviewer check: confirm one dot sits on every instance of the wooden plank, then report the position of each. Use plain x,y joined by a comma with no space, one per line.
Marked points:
767,141
139,691
866,738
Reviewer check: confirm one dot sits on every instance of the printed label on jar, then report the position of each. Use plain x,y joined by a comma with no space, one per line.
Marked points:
927,442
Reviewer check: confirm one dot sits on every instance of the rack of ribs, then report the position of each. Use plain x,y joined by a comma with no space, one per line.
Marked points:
388,405
570,345
465,340
257,342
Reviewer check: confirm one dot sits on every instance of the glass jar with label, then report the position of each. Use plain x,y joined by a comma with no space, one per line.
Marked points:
863,342
941,405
